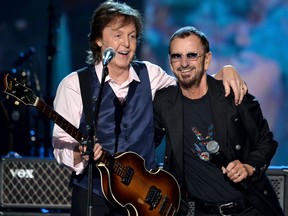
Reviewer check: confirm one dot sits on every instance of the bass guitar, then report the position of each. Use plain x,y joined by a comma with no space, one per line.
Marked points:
125,180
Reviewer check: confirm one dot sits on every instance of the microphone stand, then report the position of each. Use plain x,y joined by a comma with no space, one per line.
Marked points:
50,54
92,139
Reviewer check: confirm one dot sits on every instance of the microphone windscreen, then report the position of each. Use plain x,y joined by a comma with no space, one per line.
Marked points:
213,147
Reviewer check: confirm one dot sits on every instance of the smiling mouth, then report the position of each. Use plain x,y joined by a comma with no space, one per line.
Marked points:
124,53
185,71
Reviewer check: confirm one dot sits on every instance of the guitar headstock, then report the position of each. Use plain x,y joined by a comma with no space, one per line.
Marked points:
18,91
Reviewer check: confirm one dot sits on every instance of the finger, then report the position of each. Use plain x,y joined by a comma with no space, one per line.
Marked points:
86,157
240,176
233,169
232,174
237,91
230,167
224,171
243,91
227,88
97,146
242,94
82,149
235,88
97,151
236,177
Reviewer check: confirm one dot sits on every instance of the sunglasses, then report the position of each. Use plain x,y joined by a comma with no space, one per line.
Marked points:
176,57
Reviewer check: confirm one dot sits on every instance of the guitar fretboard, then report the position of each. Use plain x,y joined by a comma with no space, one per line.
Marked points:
59,120
106,158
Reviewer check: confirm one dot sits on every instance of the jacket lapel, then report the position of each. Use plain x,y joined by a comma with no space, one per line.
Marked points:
175,126
219,110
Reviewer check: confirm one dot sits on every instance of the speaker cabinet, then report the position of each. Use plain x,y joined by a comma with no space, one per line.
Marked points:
34,183
278,176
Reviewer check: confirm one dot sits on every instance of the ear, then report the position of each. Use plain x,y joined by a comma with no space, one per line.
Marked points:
98,42
208,59
170,63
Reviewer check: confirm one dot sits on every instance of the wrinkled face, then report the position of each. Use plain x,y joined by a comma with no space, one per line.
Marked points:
188,60
122,38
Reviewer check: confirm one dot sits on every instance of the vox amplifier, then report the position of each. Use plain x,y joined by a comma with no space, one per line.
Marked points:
34,183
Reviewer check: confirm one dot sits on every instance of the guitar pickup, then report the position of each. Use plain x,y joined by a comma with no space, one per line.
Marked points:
128,174
166,207
153,197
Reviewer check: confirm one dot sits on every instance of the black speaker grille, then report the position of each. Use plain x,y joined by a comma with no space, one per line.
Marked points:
278,176
279,187
31,183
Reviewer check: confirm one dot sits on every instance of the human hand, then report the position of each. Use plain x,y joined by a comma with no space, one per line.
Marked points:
231,78
236,171
79,153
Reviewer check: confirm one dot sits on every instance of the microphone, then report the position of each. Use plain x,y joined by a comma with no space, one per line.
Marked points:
216,154
219,158
109,54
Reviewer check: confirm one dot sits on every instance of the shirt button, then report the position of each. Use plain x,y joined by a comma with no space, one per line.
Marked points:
238,147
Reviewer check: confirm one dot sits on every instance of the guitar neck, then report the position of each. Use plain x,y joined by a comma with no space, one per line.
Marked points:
59,120
105,158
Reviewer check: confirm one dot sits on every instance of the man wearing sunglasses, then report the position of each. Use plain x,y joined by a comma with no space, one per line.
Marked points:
217,150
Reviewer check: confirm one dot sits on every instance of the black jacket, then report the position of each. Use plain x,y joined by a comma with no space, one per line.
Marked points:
241,132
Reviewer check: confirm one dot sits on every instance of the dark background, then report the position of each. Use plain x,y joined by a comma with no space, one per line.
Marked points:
251,35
